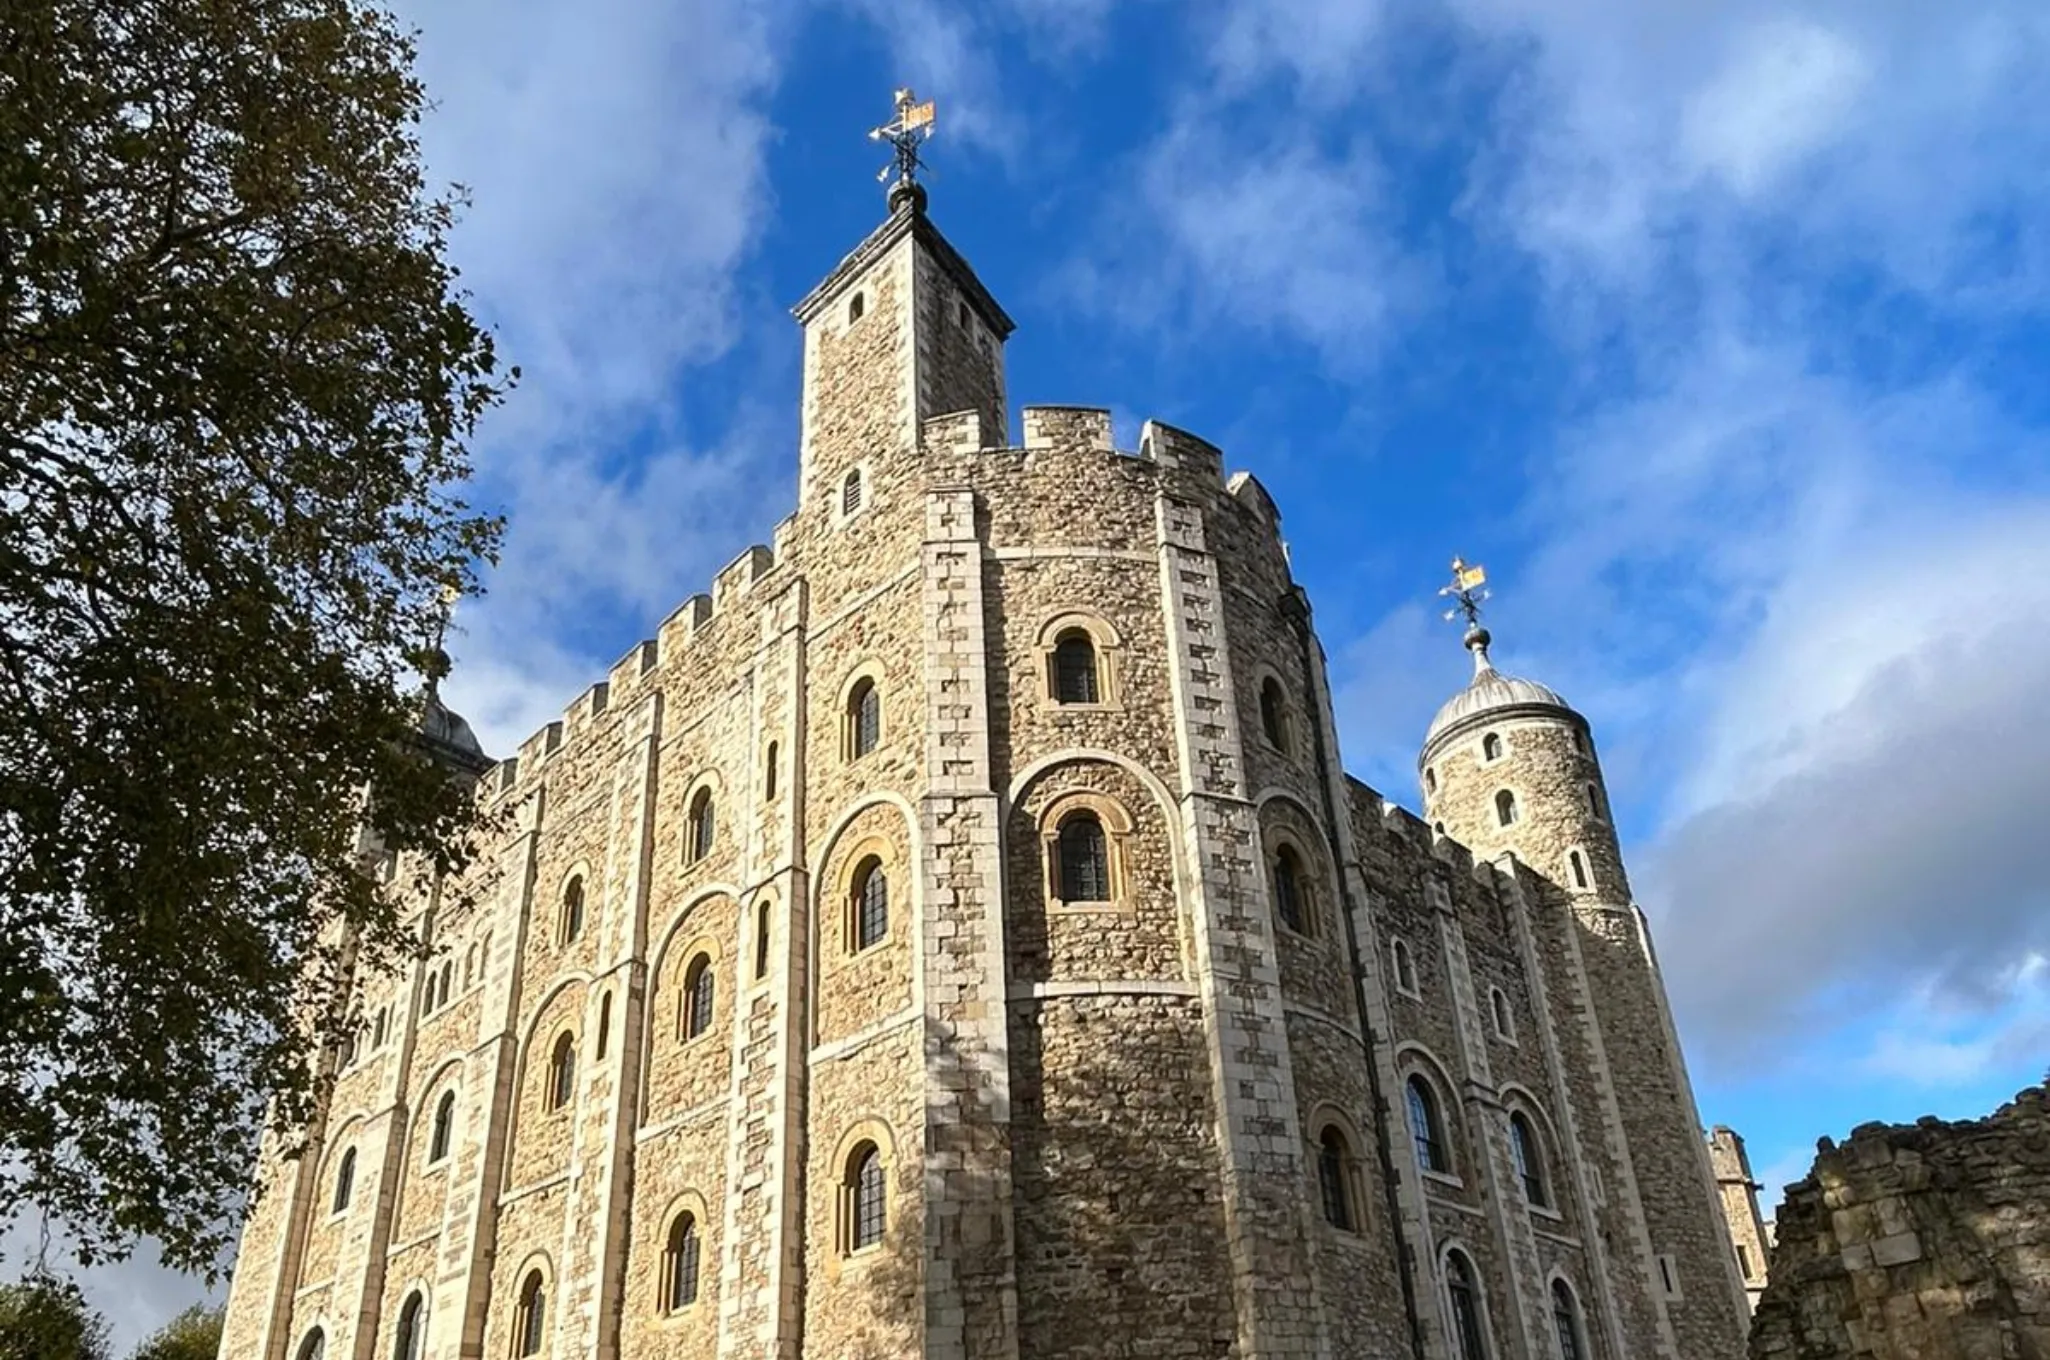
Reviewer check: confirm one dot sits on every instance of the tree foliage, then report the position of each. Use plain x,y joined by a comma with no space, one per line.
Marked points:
237,384
194,1334
45,1318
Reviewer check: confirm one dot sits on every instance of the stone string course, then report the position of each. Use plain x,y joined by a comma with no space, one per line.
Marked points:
1097,1122
1927,1241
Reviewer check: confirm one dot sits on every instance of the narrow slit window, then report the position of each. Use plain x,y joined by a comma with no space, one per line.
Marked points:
850,492
1405,967
604,1024
562,1071
345,1180
1578,863
1505,1025
1594,803
769,774
704,825
699,996
1273,714
444,1127
761,941
572,910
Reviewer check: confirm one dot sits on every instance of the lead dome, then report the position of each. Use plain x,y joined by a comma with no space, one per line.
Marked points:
1491,694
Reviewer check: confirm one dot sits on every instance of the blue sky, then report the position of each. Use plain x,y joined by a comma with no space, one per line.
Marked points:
1716,329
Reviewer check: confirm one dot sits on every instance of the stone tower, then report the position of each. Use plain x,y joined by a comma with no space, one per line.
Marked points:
1739,1194
1510,768
954,935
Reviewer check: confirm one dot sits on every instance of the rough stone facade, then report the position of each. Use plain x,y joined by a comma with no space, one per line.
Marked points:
1928,1241
788,1021
1739,1195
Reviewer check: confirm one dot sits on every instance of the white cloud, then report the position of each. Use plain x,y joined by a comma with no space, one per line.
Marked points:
1790,89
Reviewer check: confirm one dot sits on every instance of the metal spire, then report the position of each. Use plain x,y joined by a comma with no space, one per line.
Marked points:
905,133
1468,594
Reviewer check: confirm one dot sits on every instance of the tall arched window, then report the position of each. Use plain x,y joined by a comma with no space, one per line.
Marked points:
871,903
1074,668
1578,863
562,1071
313,1346
1529,1162
703,825
1288,890
1426,1128
699,994
444,1127
345,1179
864,718
1491,747
1334,1178
1083,859
1273,714
1566,1320
680,1264
530,1322
409,1340
868,1213
572,910
1505,808
1462,1292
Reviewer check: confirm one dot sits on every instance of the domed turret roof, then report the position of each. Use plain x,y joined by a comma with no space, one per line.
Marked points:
446,727
1489,691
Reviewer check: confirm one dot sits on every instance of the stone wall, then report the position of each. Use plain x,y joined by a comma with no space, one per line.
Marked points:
1928,1241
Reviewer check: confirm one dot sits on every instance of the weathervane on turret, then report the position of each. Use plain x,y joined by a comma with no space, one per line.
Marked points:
1468,594
905,133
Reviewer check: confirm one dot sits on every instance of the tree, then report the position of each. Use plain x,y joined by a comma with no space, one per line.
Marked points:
44,1318
194,1334
237,385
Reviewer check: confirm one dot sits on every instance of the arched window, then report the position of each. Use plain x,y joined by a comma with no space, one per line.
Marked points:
1083,861
532,1318
1074,669
407,1341
562,1071
1334,1179
1288,890
1426,1128
867,1198
1566,1319
444,1127
680,1264
1405,967
1580,741
1273,714
856,305
313,1346
1505,808
871,903
572,910
1594,802
698,996
604,1025
761,941
1462,1292
864,718
1430,780
1505,1023
703,826
1578,863
1491,747
448,977
1528,1161
377,1030
769,772
345,1179
850,492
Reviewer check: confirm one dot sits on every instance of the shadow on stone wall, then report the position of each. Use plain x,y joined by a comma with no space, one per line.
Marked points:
1928,1241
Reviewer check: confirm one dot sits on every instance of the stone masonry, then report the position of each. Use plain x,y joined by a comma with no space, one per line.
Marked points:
1739,1195
954,935
1928,1241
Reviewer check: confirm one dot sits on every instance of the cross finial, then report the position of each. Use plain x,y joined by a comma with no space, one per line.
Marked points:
1467,594
905,133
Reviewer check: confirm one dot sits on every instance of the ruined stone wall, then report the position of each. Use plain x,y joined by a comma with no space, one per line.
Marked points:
1929,1240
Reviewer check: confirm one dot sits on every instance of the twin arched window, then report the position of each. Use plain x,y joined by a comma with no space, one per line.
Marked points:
444,1127
699,995
572,924
867,1198
1273,714
530,1321
562,1071
864,718
703,826
1427,1127
1290,899
345,1180
1526,1157
1566,1319
1075,680
1082,858
680,1264
1335,1179
871,903
1463,1294
409,1340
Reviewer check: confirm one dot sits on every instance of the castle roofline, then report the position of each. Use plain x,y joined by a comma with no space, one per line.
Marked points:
908,218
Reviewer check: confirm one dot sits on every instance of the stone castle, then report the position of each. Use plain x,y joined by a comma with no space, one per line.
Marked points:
955,936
